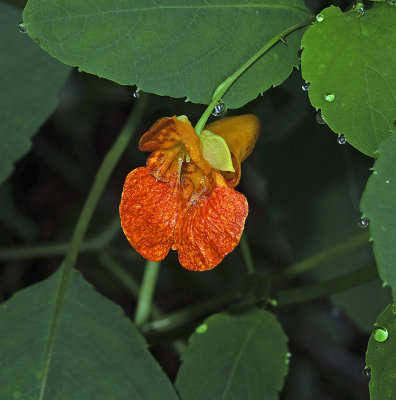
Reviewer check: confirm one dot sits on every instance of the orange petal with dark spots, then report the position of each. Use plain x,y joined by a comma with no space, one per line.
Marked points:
210,228
162,135
148,210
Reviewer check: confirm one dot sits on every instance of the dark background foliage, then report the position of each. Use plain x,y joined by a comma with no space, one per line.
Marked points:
303,190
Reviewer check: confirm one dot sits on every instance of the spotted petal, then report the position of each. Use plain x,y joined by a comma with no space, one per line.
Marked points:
148,211
210,228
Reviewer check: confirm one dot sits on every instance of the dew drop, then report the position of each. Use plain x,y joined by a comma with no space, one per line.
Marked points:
366,372
136,94
288,356
320,17
330,97
387,181
22,28
201,329
341,139
305,86
219,109
319,118
380,334
363,223
359,8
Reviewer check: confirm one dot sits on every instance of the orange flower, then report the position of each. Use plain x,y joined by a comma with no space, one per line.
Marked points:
179,200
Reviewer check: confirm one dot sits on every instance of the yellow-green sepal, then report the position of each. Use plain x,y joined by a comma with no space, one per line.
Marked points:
215,150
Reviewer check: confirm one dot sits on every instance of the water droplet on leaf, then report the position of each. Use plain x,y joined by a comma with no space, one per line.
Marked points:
319,118
387,181
380,334
136,94
219,109
330,97
320,17
201,329
341,139
22,28
363,223
366,372
359,8
305,86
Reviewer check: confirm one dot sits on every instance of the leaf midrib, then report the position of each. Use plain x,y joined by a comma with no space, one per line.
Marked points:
239,357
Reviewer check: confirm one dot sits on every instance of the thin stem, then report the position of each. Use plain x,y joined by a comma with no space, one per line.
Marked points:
247,254
324,289
125,278
84,219
41,250
327,255
225,85
191,314
145,298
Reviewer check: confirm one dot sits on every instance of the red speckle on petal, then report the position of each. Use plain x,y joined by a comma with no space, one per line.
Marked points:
210,228
148,211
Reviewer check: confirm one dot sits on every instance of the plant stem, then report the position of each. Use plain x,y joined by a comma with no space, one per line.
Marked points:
125,278
327,255
225,85
41,250
246,254
191,314
84,219
324,289
146,292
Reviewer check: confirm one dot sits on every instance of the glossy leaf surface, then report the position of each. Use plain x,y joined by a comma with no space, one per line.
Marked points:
174,48
380,359
378,204
97,352
240,356
351,76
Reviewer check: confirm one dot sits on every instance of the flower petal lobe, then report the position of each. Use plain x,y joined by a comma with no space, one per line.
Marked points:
210,228
148,211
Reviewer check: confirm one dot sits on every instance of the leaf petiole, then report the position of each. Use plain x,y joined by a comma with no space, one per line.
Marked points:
225,85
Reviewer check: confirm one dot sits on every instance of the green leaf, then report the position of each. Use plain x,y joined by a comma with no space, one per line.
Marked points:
378,204
351,57
30,81
380,357
97,352
172,47
215,150
234,357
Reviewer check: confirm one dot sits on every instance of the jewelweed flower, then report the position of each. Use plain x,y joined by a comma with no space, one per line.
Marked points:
182,200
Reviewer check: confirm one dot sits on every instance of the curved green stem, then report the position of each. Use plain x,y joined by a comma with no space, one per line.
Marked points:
145,299
41,250
324,289
84,219
246,254
225,85
327,255
191,314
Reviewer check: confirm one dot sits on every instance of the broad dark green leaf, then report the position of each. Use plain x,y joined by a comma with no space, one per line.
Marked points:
380,357
174,48
240,356
350,58
97,353
30,81
378,204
